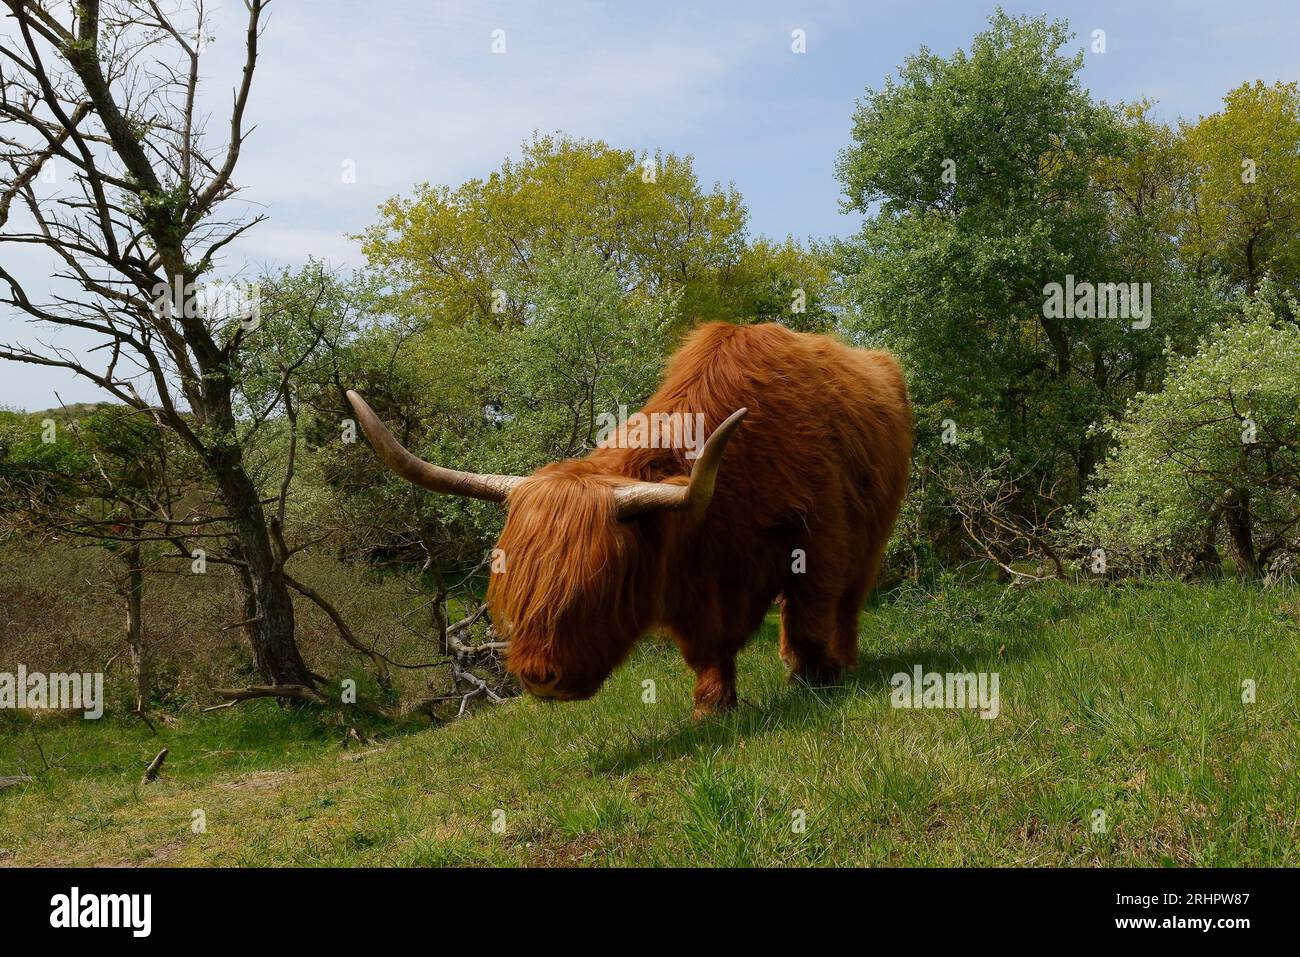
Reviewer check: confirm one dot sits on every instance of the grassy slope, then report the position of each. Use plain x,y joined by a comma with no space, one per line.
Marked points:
1125,699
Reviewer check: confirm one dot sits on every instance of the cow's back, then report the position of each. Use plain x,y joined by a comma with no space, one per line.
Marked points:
824,419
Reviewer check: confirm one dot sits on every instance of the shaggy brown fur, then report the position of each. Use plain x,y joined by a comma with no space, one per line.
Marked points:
818,467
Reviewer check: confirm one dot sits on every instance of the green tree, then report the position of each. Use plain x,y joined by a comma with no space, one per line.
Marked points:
109,477
981,168
449,251
988,178
646,215
484,398
1243,213
784,282
584,350
1213,457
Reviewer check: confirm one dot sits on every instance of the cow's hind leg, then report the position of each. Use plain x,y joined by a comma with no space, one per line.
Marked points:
808,631
845,645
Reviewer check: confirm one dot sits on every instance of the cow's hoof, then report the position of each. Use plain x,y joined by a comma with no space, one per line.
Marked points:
820,675
707,709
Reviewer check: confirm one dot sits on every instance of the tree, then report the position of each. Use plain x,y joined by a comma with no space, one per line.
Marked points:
583,352
111,478
1243,213
471,277
110,93
989,178
786,283
489,399
1214,456
448,251
951,269
426,380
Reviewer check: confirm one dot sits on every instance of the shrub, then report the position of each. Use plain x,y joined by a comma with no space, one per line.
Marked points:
1213,458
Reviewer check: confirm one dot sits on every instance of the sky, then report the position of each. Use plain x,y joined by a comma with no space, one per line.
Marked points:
411,91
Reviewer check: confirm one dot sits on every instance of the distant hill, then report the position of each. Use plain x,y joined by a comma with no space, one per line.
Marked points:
75,410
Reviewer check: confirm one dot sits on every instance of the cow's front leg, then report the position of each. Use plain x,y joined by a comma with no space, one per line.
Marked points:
715,686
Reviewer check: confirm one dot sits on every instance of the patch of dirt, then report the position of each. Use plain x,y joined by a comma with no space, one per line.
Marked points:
569,853
361,755
255,781
163,853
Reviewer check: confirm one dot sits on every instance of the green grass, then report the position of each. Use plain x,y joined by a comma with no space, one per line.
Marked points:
1125,699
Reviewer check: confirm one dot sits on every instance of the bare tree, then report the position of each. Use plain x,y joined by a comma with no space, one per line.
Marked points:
990,502
110,92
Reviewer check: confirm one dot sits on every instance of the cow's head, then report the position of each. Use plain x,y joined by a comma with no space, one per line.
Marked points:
564,578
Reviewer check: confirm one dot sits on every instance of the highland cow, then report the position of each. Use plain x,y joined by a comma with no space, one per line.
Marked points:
600,550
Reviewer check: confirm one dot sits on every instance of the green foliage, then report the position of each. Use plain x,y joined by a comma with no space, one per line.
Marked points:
1220,442
645,215
951,274
452,249
584,350
1244,211
502,317
78,463
786,283
302,317
1010,114
35,472
489,399
986,177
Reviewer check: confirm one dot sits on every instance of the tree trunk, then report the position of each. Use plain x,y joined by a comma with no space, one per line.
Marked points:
437,609
1241,536
268,619
135,626
267,605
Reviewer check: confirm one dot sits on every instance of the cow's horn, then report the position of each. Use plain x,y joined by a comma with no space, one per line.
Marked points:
640,497
493,488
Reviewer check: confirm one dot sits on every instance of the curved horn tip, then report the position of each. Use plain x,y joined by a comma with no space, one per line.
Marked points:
640,497
728,425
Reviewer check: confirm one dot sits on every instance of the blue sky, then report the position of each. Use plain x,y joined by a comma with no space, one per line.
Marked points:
411,92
